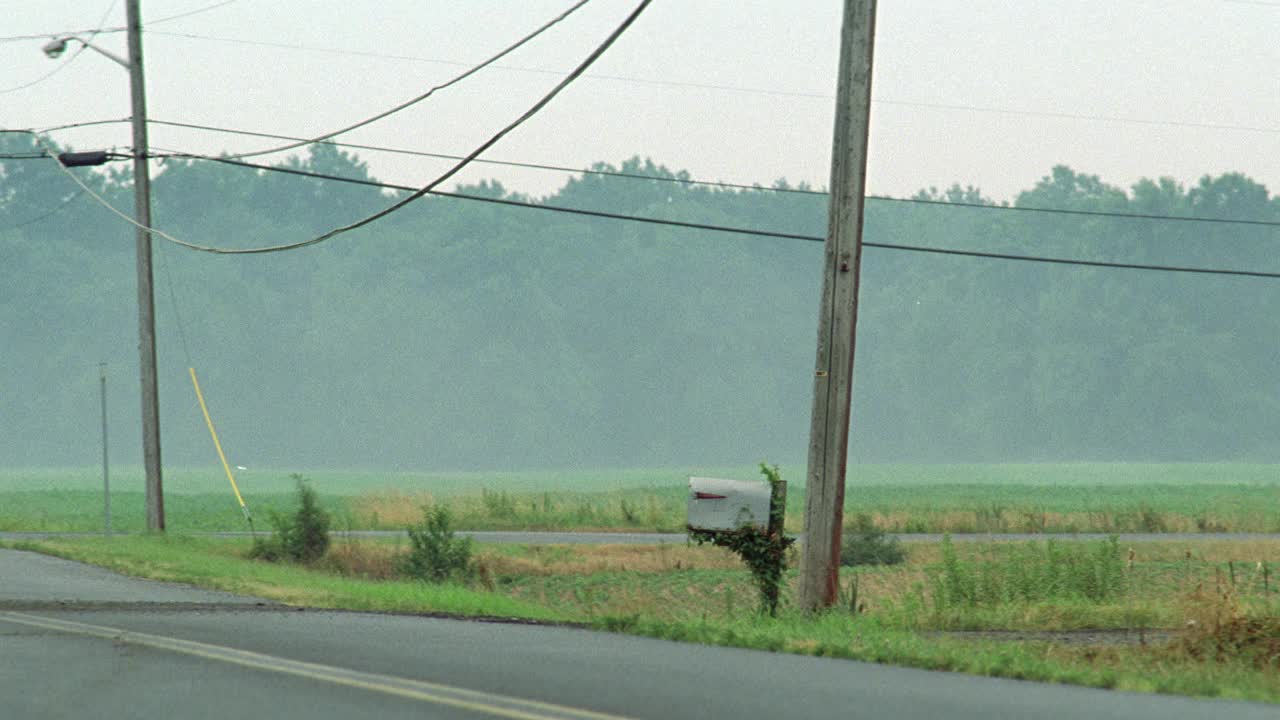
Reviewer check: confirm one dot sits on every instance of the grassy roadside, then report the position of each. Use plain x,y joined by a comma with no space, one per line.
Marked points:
701,595
220,565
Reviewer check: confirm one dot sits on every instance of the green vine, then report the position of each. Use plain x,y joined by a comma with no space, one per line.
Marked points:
764,551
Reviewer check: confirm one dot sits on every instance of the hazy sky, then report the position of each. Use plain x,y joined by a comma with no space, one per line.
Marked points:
1191,86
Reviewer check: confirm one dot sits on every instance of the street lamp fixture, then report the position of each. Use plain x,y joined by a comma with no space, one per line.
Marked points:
58,45
55,47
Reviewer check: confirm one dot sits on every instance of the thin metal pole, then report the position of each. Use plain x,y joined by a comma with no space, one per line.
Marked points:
106,476
838,313
146,293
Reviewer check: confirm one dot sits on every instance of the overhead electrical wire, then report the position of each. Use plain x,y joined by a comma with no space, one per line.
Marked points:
497,201
730,229
741,186
189,13
509,163
690,181
84,123
45,36
54,211
108,30
62,65
409,103
655,221
1087,213
751,90
513,68
541,103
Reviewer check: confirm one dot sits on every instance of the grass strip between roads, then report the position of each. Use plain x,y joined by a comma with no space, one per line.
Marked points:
219,564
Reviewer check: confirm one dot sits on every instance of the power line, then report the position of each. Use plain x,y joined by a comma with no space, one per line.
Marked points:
459,78
727,185
45,36
750,90
657,221
1088,213
509,163
1078,116
737,230
62,65
1069,261
742,186
108,30
582,67
57,209
498,201
85,123
513,68
189,13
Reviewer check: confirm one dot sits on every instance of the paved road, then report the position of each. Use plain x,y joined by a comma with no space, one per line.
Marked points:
156,650
640,538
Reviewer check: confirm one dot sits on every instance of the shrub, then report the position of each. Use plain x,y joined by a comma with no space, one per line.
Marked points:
301,537
869,545
436,554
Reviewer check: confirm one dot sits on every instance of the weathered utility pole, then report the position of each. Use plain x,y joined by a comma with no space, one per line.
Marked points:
146,294
838,313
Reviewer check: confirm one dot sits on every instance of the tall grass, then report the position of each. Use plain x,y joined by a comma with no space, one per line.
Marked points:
1027,573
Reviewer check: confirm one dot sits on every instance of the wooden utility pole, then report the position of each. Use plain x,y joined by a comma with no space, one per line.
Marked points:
146,294
838,313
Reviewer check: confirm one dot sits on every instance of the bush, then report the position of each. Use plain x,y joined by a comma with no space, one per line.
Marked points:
302,537
869,545
436,555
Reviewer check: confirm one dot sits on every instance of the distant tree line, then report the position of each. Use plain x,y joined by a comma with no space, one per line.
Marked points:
460,334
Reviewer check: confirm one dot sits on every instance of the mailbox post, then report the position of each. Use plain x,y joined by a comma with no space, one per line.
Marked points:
747,518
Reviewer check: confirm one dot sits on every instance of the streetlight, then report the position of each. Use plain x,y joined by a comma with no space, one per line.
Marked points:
142,214
55,47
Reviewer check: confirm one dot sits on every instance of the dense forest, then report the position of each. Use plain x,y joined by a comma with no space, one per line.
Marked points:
458,334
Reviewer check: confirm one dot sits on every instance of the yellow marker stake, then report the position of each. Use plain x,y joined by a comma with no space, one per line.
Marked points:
209,421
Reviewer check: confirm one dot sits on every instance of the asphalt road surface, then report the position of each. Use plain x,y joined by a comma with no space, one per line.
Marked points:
80,642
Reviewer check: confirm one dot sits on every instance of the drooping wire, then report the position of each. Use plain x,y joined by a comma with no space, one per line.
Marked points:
45,36
431,91
507,163
69,126
740,230
189,13
177,309
66,203
1052,114
62,65
419,193
739,186
696,226
1087,213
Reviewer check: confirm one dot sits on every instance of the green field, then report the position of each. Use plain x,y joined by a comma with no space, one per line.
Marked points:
1083,497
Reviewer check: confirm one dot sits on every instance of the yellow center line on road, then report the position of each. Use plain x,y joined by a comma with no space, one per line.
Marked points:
462,698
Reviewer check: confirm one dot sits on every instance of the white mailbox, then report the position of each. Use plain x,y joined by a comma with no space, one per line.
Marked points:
716,504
